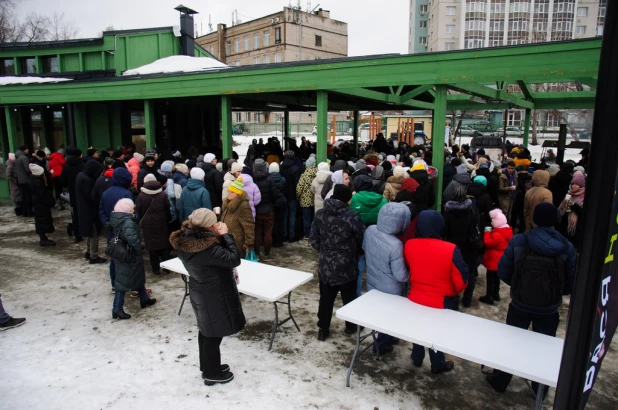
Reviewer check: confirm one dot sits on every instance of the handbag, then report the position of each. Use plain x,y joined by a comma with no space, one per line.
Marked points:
145,213
119,250
250,256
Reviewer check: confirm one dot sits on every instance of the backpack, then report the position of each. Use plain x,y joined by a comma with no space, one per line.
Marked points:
538,280
475,236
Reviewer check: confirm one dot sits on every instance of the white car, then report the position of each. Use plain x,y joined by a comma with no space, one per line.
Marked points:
468,131
514,132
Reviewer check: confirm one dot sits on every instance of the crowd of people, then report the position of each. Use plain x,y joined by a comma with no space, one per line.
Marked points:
369,216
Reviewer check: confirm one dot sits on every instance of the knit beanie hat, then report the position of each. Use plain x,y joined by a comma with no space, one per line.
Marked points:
167,166
323,166
36,170
481,180
289,154
409,184
200,158
310,162
361,164
462,169
460,193
138,157
124,205
228,164
149,153
418,166
567,167
274,167
219,166
237,186
387,166
203,217
182,168
498,218
399,172
553,169
208,158
191,163
580,169
545,214
149,178
108,161
579,179
363,183
342,193
247,171
41,154
519,168
236,167
197,173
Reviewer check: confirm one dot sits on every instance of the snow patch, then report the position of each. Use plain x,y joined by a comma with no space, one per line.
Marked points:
178,64
31,80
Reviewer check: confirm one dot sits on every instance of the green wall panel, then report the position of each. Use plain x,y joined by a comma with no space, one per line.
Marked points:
70,62
92,61
142,50
166,45
98,124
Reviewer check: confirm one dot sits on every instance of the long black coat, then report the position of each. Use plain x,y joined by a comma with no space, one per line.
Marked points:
131,275
87,209
72,168
42,201
291,172
559,186
100,186
213,181
460,218
268,189
210,259
153,207
483,203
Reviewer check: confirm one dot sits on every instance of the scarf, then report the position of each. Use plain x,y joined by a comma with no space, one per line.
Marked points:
577,198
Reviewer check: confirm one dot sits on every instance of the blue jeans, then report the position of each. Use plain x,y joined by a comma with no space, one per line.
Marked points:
289,220
307,221
359,281
437,358
4,317
119,298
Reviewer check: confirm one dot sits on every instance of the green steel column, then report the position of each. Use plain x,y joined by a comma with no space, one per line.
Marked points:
437,139
286,123
11,129
527,127
322,138
226,125
355,132
149,123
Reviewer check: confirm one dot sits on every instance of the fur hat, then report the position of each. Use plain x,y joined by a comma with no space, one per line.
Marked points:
138,157
274,167
545,214
236,167
208,158
342,193
579,179
498,219
197,173
124,205
323,166
182,168
149,178
36,170
203,217
399,172
237,187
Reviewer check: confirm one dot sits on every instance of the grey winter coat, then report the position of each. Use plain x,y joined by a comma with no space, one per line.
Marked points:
462,179
386,267
13,183
129,276
22,167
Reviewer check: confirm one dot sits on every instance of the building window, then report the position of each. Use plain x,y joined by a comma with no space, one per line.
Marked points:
256,41
423,9
450,28
602,10
267,38
212,50
451,11
422,40
278,58
50,64
423,24
449,46
239,117
475,6
496,43
246,43
475,43
497,7
27,65
267,59
256,60
318,41
580,30
540,26
237,45
228,48
539,7
278,35
582,11
559,7
7,67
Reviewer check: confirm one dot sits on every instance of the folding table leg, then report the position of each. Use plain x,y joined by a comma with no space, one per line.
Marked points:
186,293
275,326
358,340
539,397
290,311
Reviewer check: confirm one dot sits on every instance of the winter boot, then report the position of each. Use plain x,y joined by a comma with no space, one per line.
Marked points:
489,297
496,290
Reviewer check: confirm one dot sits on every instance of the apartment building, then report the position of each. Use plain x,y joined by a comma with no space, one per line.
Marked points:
442,25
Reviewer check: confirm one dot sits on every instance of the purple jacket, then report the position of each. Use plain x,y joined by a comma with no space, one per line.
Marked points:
253,192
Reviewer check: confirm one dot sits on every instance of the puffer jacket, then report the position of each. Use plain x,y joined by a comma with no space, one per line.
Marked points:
316,188
267,187
89,223
237,216
496,242
194,196
544,241
252,191
462,179
303,188
213,183
291,172
180,178
43,202
56,164
22,167
134,167
210,261
460,218
438,272
129,275
119,189
386,267
366,202
228,178
153,208
535,195
337,234
392,188
377,177
13,184
281,185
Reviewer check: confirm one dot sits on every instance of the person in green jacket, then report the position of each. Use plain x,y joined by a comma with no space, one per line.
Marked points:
367,203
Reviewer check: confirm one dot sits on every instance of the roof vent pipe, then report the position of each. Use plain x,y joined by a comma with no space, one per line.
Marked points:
187,30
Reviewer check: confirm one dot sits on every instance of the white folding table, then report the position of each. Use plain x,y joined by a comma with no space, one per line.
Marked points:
517,351
261,281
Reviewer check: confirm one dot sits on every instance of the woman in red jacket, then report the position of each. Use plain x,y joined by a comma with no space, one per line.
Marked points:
496,240
55,167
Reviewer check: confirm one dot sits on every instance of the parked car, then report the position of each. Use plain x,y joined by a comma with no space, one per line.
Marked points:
484,126
468,131
493,146
514,132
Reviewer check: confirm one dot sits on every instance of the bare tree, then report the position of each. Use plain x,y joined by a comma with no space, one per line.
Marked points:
9,27
35,28
60,28
107,28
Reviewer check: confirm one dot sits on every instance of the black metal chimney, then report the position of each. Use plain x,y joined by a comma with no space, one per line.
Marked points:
187,30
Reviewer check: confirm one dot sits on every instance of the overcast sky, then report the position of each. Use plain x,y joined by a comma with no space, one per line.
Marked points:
374,28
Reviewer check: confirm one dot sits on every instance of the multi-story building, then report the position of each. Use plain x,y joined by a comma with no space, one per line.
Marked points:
442,25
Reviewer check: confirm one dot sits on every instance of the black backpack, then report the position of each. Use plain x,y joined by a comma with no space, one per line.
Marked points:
538,280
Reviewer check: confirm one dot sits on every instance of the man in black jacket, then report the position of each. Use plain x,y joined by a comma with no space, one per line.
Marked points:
89,222
22,173
75,164
265,210
213,180
337,234
560,183
291,172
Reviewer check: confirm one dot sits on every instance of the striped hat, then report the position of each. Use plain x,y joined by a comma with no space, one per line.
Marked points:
237,186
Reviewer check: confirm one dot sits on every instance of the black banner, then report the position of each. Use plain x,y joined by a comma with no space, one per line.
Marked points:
607,307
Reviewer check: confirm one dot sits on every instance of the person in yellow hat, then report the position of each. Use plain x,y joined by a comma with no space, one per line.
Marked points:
238,217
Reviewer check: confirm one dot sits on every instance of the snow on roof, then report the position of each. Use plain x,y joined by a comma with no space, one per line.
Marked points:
30,80
178,64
